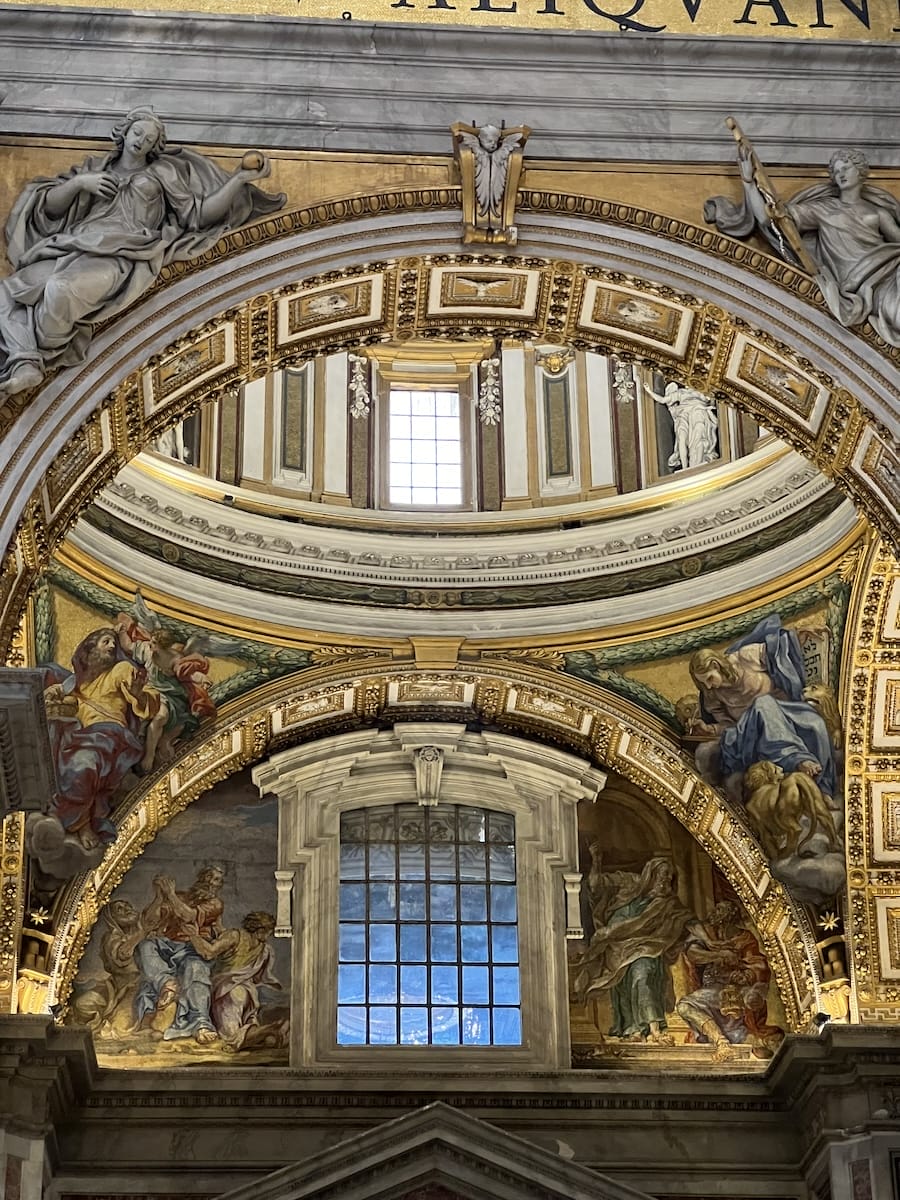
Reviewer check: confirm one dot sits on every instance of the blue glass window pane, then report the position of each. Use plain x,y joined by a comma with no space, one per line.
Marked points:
351,1026
507,1027
414,1026
413,985
412,901
382,902
353,826
472,863
353,861
475,985
435,884
442,862
471,825
504,944
443,902
445,1026
506,985
383,943
501,828
411,823
382,862
503,902
382,985
443,943
352,943
472,902
444,985
413,943
503,863
380,824
476,1026
412,861
353,902
351,985
382,1026
475,943
442,825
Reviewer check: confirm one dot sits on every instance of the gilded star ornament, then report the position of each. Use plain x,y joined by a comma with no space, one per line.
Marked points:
829,922
39,917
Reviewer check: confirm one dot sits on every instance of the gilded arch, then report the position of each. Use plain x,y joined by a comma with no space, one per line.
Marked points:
732,308
520,699
727,316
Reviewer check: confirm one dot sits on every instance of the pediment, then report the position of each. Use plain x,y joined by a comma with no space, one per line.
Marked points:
436,1153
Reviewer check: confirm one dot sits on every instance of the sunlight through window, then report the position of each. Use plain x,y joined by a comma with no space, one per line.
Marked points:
425,448
429,951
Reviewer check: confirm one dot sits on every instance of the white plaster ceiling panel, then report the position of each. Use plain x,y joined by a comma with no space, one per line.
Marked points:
204,361
661,324
347,304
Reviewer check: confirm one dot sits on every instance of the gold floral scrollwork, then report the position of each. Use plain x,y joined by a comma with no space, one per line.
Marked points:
12,906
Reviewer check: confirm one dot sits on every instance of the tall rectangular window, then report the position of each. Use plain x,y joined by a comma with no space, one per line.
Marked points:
428,941
424,448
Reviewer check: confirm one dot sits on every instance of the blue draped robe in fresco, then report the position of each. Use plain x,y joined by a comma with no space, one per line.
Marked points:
776,724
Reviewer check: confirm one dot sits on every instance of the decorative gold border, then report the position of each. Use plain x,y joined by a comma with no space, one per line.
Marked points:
605,729
134,415
872,777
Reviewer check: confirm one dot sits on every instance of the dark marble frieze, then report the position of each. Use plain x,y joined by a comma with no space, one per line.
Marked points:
613,1102
540,595
432,1191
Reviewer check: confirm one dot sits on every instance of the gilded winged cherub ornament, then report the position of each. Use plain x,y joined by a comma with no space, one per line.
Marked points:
843,231
490,163
89,242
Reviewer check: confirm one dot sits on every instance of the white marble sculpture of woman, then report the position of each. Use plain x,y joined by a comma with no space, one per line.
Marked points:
86,244
850,229
696,425
853,233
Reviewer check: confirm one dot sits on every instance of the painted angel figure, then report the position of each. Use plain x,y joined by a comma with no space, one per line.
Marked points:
178,671
490,161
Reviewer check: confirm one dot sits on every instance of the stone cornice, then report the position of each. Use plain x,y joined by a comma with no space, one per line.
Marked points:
601,93
46,1070
489,558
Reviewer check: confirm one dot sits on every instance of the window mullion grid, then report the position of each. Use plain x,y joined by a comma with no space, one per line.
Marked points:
397,954
448,853
368,942
429,961
489,924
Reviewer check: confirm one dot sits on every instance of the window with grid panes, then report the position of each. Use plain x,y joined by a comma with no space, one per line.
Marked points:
424,448
428,941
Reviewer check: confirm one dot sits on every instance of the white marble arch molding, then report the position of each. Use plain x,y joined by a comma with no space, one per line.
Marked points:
601,729
751,318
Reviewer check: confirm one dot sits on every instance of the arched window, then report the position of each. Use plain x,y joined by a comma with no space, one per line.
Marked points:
434,925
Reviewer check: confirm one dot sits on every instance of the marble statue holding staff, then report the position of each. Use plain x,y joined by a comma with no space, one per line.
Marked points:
844,232
88,243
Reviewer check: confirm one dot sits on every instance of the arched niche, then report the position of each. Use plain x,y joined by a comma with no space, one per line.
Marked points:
730,319
535,706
